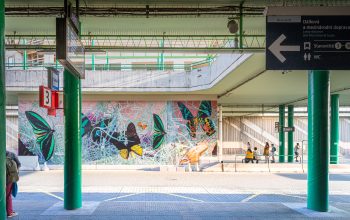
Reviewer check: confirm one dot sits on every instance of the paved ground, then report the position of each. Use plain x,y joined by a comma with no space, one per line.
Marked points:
170,195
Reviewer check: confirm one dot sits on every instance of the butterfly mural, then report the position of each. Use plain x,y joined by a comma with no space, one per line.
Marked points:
201,119
159,132
95,130
43,133
127,143
86,125
142,126
100,130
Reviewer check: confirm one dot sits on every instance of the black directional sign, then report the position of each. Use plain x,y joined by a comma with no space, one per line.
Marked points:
288,129
307,42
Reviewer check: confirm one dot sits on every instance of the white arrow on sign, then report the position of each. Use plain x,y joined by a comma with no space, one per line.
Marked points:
276,48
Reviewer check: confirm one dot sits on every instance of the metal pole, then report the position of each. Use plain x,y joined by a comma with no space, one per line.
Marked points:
302,155
290,133
220,133
318,140
334,154
107,61
93,56
241,26
2,114
25,57
281,134
72,156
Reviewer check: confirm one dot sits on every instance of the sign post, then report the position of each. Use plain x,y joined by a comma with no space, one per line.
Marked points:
277,127
71,54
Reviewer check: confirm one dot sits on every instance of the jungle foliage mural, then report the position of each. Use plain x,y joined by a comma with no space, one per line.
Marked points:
125,132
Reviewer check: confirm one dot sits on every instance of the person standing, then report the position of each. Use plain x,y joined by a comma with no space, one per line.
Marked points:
267,152
296,152
273,151
12,167
249,146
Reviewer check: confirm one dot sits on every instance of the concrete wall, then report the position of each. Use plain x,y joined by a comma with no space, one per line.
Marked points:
136,81
237,131
98,146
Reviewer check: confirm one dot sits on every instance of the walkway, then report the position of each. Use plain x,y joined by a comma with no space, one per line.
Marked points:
168,195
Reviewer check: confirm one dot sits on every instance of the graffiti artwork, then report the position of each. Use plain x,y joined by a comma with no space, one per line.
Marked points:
114,133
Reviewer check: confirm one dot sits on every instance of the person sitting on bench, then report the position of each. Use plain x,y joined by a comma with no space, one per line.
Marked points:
256,154
249,156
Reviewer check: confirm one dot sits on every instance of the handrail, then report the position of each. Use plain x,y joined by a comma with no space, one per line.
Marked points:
302,155
115,66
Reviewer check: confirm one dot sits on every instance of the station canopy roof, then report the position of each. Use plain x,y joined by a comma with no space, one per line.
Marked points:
249,85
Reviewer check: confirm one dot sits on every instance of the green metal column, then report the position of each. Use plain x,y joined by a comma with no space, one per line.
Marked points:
334,129
2,114
281,134
318,140
72,155
160,59
241,26
93,56
290,133
107,61
25,57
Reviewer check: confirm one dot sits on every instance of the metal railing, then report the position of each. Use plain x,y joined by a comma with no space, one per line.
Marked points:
240,159
110,67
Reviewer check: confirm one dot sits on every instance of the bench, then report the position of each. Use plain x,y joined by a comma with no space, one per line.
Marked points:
29,163
256,160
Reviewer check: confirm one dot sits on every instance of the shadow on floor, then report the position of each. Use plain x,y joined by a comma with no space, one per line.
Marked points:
332,177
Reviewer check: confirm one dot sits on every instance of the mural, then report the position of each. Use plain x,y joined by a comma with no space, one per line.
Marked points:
125,132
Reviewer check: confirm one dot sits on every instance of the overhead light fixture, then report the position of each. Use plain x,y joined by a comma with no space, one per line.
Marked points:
232,26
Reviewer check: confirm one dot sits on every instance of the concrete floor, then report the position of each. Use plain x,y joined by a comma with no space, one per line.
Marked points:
171,195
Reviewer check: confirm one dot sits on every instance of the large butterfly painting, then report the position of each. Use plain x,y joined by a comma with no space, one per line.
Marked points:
127,143
201,119
43,133
159,132
86,126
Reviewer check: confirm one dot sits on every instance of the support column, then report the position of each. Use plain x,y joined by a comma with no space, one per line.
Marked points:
2,114
93,68
72,156
25,57
281,134
334,129
107,61
290,133
220,134
160,59
318,140
241,26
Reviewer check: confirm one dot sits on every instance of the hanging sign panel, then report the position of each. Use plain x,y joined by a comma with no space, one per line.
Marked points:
45,97
70,51
53,79
319,41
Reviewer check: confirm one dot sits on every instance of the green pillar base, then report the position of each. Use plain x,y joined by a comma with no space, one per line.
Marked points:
2,114
290,134
281,152
72,155
334,154
318,141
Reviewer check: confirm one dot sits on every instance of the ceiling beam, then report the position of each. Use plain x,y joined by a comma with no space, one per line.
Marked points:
230,10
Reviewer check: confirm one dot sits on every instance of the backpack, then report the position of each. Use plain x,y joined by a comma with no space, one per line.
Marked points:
273,149
11,171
